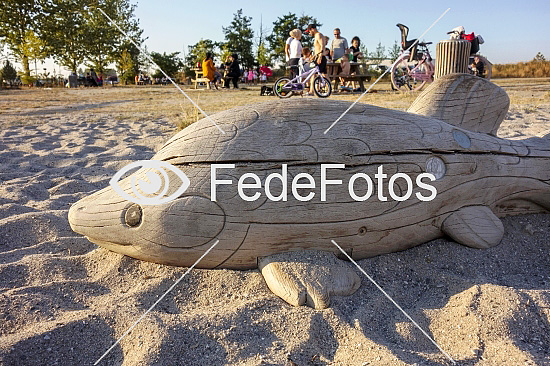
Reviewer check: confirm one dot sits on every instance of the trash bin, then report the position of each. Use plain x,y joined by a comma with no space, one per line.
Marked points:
451,57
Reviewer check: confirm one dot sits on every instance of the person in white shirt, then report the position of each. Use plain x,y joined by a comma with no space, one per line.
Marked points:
287,48
295,52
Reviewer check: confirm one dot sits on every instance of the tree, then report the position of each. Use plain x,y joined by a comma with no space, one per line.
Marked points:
263,56
127,65
198,51
379,54
239,36
169,62
107,40
19,20
281,29
539,57
67,32
8,72
394,51
76,33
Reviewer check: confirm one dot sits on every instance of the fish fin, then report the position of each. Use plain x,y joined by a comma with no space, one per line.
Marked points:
465,101
308,277
474,226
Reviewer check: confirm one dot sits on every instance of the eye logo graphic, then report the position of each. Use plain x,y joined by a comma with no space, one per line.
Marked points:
155,185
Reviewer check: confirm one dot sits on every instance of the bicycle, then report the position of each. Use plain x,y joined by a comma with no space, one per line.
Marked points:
413,67
285,87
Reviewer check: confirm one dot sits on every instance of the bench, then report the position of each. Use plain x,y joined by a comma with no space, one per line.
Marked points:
359,78
196,81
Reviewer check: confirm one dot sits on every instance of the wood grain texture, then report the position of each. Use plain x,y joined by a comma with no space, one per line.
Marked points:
464,100
474,226
506,176
308,277
451,56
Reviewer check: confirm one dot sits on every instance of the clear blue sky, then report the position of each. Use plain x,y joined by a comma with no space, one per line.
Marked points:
513,30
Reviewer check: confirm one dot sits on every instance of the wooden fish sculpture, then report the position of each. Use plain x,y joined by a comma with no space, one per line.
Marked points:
448,132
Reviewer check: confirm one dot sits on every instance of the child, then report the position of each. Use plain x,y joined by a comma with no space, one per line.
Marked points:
346,67
263,77
250,76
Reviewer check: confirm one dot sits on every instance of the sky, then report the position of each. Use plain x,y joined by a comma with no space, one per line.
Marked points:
513,30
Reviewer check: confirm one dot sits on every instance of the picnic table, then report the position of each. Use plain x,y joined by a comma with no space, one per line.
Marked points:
199,78
334,69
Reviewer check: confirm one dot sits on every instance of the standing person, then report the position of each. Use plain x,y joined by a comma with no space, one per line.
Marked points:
209,71
295,52
319,46
354,49
234,71
250,76
287,48
339,46
93,77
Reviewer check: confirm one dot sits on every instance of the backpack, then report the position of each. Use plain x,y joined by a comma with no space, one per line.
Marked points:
469,37
266,90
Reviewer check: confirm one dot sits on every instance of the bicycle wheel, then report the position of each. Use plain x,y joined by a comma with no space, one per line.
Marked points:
281,89
420,77
400,78
322,87
404,79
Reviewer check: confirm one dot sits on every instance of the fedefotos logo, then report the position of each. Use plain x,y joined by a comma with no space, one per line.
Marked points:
301,181
152,190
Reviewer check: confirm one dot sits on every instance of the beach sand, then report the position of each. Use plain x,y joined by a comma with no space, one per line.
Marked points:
64,301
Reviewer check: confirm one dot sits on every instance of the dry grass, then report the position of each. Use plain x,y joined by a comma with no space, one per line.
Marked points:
165,102
531,69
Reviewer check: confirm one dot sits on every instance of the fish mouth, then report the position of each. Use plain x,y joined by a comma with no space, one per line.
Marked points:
105,244
100,220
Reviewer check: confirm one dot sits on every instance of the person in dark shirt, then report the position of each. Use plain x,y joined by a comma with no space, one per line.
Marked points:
357,54
478,67
234,71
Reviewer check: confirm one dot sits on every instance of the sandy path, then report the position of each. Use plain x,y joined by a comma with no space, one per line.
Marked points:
63,301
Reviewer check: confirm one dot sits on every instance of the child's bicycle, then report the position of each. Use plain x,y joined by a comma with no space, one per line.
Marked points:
285,87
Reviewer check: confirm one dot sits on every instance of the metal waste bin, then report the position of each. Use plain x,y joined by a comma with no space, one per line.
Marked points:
452,56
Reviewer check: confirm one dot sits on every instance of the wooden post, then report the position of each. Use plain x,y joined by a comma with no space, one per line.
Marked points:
451,57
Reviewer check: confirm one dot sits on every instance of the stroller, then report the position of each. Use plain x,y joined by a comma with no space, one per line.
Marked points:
460,33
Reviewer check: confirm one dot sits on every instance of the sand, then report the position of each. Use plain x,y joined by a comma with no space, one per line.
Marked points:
64,301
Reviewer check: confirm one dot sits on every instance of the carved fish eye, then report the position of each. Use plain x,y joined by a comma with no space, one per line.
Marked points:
133,214
362,231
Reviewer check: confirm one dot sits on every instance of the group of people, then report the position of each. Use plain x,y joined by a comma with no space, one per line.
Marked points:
259,74
91,79
232,72
339,52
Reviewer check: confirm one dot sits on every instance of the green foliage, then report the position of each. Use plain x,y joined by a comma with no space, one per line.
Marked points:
394,51
238,38
107,42
8,72
281,29
19,23
75,32
169,62
126,66
67,32
262,55
198,51
379,53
